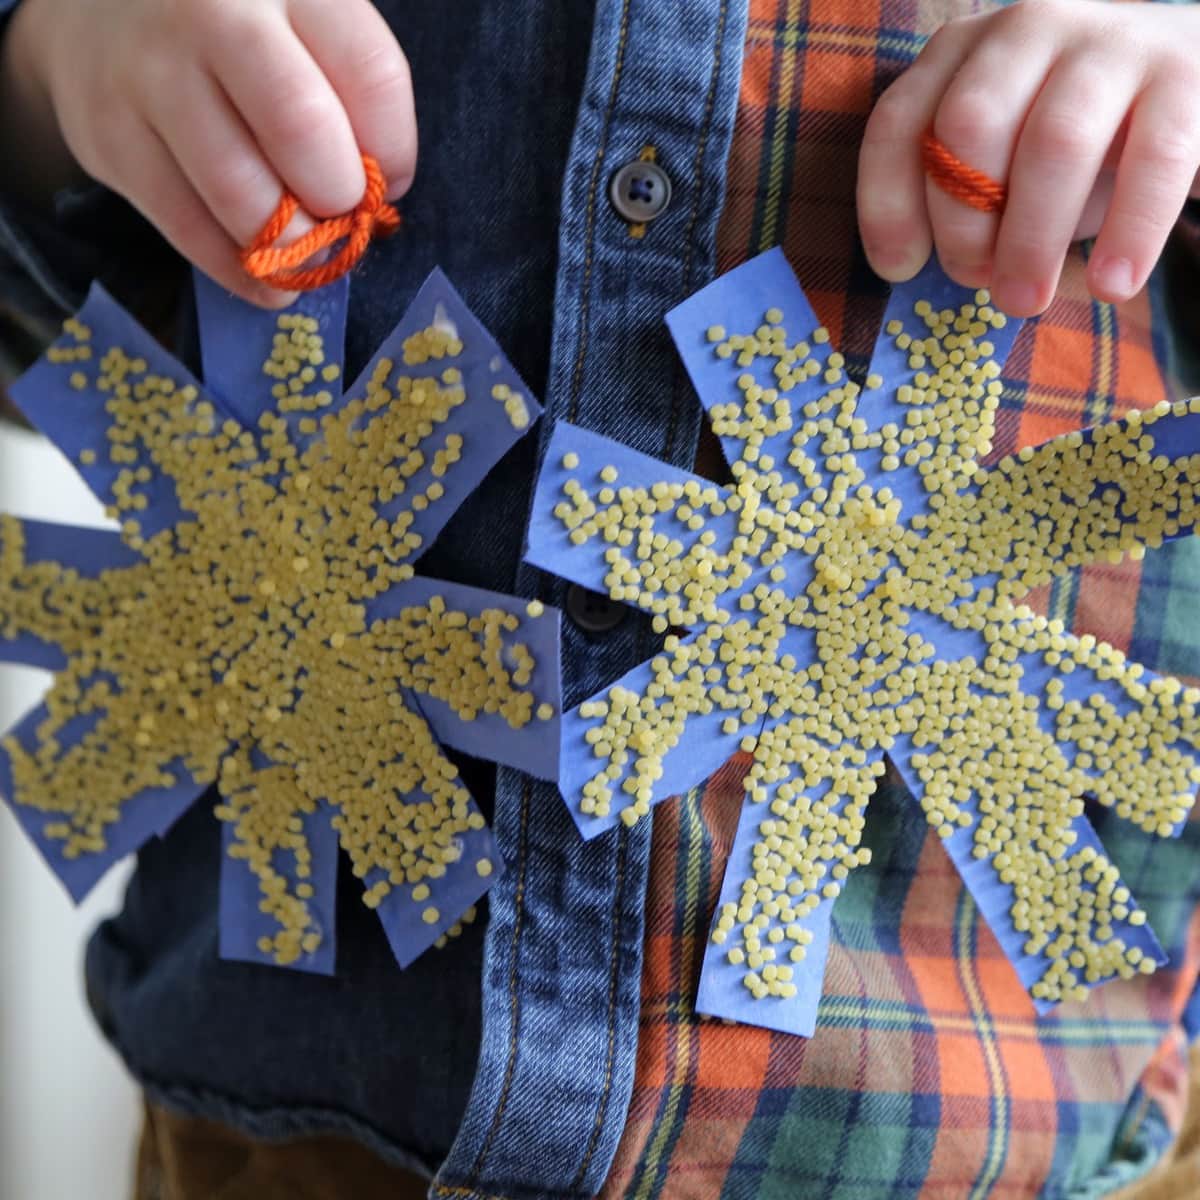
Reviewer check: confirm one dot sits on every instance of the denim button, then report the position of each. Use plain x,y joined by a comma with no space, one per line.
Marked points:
640,191
592,611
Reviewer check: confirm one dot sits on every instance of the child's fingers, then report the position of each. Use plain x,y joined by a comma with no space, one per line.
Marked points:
211,144
153,182
361,58
291,109
1097,204
1059,156
978,120
892,215
1155,174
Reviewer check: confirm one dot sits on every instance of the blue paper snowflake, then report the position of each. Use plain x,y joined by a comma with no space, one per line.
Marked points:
258,623
857,592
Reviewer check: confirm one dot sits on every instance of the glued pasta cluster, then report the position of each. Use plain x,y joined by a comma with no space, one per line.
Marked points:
242,651
857,591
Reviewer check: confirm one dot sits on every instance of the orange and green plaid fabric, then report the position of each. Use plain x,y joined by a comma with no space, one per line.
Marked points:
929,1074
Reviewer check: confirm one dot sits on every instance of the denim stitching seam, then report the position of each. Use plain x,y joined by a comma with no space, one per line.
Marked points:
614,972
589,234
513,997
701,149
589,228
697,172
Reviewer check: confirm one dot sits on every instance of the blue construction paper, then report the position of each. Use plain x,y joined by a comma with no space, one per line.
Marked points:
549,544
737,302
87,551
994,898
236,339
879,407
1176,437
485,427
143,816
1190,1019
532,748
721,992
76,420
702,748
241,920
407,932
1080,684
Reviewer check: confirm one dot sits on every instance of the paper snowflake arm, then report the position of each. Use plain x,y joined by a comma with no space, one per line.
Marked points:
40,602
853,593
259,624
1092,496
477,665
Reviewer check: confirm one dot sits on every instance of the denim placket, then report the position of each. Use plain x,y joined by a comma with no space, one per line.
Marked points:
563,955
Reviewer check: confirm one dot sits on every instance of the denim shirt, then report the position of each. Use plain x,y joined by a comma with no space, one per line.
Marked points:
503,1063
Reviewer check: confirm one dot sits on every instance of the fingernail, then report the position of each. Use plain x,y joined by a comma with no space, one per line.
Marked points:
894,265
1114,276
976,275
399,188
270,298
1017,296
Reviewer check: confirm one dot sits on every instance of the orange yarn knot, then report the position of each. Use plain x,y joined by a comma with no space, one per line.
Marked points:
283,266
959,180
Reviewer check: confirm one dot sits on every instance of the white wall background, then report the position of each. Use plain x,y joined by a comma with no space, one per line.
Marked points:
68,1112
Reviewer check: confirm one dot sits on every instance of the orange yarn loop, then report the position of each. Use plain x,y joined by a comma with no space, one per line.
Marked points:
959,180
283,266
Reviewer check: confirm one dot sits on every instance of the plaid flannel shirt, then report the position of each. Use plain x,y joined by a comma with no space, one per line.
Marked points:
930,1073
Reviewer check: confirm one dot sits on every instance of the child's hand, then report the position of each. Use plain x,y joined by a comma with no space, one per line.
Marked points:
200,112
1089,112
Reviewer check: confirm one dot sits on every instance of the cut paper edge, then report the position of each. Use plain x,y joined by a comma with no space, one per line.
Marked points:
534,748
233,375
736,303
483,421
90,552
148,814
76,419
241,921
408,932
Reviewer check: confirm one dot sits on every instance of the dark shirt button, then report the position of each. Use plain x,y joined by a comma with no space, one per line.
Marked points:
640,191
592,611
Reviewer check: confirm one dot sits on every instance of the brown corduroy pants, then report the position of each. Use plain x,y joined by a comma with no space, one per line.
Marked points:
181,1158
